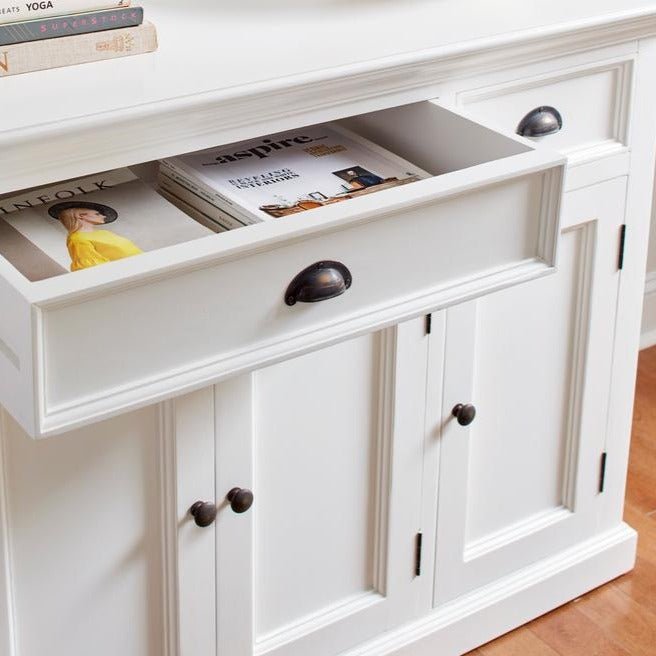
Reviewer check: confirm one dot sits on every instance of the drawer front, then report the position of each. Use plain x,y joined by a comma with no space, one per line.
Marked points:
593,101
149,341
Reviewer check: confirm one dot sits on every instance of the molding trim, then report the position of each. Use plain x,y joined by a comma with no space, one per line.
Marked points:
648,335
8,637
581,328
162,129
169,539
387,366
476,618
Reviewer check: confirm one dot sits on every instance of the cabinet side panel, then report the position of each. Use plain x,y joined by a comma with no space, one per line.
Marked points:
85,537
632,286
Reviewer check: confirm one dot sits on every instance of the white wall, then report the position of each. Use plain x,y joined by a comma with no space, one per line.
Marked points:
649,311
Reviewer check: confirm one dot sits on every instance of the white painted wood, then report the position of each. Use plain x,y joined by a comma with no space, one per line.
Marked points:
627,330
191,103
593,101
86,539
477,618
592,90
191,467
331,445
522,481
7,618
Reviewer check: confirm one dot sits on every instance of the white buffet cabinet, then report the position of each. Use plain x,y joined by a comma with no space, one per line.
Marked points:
380,522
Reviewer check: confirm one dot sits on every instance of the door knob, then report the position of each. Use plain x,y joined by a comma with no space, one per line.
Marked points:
204,513
464,413
240,499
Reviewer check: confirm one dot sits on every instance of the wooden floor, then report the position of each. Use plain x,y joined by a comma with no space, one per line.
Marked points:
618,619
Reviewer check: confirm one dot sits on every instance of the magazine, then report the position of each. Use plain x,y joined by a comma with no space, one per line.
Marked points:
292,172
95,228
169,187
64,190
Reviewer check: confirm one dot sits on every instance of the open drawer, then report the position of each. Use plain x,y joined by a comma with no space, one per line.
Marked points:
86,345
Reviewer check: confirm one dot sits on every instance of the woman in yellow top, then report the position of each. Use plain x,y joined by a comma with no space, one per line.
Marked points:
87,244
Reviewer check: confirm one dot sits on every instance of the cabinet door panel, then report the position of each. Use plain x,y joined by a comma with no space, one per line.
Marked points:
331,443
84,538
316,446
521,481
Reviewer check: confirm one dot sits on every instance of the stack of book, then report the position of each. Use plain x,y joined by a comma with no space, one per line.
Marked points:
52,33
281,174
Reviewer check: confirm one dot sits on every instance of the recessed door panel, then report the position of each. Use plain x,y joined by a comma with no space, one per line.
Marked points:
317,447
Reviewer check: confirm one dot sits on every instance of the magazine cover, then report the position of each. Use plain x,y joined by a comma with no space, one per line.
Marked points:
63,190
92,229
296,171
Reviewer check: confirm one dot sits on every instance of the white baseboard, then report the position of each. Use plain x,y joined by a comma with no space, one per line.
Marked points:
648,335
476,618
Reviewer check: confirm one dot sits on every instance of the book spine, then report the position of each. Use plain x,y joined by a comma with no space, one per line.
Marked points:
181,176
192,212
52,28
80,49
200,204
12,12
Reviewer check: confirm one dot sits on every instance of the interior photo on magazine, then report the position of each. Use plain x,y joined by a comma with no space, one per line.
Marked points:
290,172
85,223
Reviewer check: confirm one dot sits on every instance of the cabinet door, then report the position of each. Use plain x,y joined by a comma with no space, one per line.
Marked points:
331,445
522,480
82,540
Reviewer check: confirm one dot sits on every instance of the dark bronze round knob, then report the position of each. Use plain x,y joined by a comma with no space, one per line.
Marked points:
240,499
204,513
541,122
465,413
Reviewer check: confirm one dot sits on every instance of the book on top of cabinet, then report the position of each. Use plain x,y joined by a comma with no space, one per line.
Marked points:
292,172
12,11
33,56
90,229
59,26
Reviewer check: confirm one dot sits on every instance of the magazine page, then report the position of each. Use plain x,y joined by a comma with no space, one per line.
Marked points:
299,170
92,229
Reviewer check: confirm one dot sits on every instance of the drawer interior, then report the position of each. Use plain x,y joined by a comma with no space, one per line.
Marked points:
429,136
434,138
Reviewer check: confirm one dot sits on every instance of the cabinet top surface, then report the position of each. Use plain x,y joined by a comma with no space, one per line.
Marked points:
233,46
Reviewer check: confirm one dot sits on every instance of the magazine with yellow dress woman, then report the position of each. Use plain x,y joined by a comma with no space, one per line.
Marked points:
88,244
68,231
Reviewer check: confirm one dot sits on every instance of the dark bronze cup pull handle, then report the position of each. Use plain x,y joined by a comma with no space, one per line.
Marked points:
319,282
465,413
541,122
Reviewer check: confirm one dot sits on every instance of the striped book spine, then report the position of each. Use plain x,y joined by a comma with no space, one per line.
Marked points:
54,28
11,12
79,49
